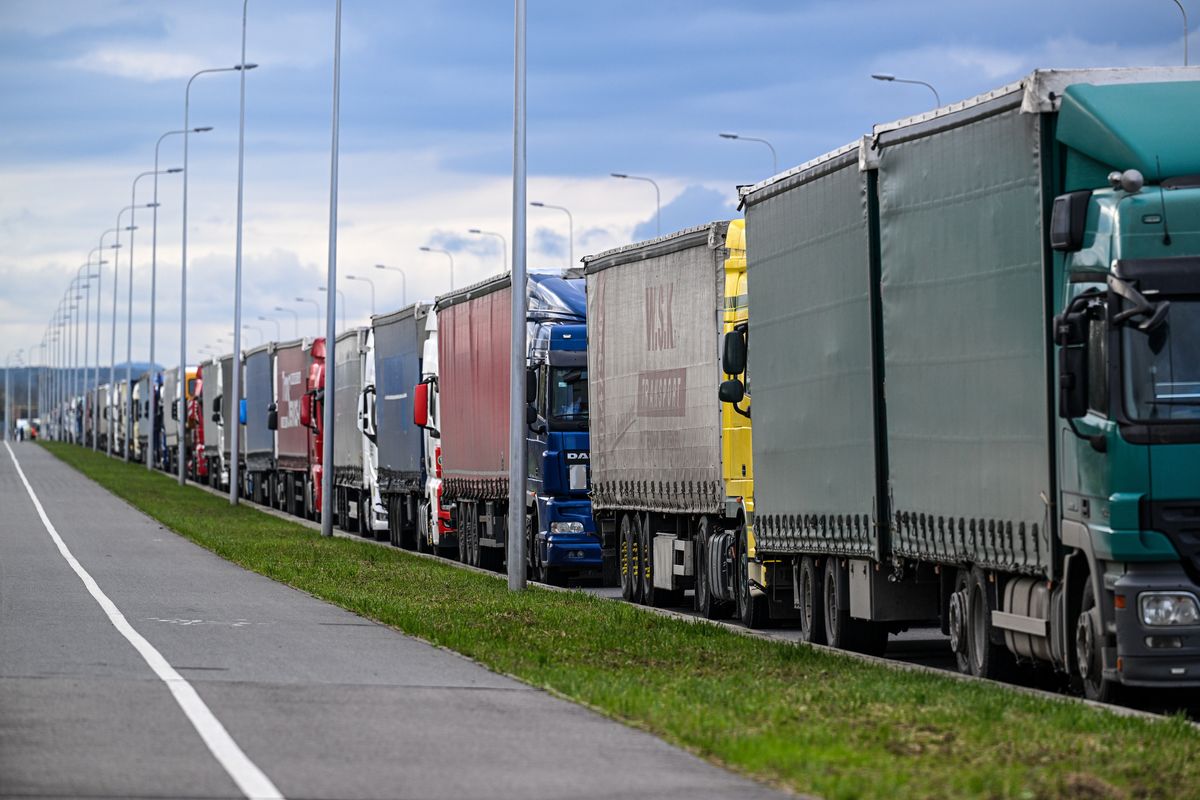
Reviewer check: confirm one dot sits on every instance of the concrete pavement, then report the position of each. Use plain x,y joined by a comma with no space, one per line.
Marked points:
324,703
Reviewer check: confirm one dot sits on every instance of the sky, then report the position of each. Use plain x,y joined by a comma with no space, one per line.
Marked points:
89,86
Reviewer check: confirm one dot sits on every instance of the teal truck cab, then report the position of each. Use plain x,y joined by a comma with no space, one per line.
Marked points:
1126,236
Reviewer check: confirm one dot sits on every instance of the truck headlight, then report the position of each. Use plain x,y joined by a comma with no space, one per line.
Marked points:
566,527
1169,608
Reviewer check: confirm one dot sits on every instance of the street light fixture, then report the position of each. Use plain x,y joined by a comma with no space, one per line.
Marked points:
570,228
500,236
887,77
370,283
403,282
447,254
657,196
738,136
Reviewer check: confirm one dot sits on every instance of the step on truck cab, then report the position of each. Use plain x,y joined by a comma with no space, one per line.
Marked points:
1019,271
671,468
473,362
395,347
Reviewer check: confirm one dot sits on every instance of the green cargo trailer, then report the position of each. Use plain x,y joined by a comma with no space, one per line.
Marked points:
975,352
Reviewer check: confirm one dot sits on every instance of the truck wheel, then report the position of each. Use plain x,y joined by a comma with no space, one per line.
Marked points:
957,620
812,603
985,658
630,575
842,632
422,527
704,602
751,610
1089,657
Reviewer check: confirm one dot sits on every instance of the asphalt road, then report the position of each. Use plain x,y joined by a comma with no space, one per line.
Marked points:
315,701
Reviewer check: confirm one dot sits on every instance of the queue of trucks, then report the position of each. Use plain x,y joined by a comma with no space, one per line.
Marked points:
973,341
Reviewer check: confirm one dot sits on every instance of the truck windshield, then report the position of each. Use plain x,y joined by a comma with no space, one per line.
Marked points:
1162,369
568,397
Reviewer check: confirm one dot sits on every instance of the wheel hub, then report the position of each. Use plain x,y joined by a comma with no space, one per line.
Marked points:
1085,645
958,621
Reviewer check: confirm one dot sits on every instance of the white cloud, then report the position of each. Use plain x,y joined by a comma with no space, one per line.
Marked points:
138,64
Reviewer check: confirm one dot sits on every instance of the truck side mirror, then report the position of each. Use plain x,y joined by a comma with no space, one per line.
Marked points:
733,355
306,409
175,409
421,405
272,417
1068,221
242,411
531,386
1070,334
732,391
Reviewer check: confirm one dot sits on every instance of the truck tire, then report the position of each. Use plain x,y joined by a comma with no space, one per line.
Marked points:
985,658
1089,658
751,610
651,595
812,602
704,602
841,631
631,589
422,527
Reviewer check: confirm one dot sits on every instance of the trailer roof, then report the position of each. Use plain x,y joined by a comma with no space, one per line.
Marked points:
489,285
711,234
358,333
290,343
1040,91
413,310
265,347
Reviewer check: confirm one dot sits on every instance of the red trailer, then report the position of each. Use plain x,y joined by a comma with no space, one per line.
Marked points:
299,374
473,367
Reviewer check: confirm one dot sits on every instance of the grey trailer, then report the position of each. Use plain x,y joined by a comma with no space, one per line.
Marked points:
398,341
348,439
258,438
290,366
141,416
656,313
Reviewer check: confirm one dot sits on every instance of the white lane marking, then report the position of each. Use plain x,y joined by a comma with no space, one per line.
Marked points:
400,396
245,773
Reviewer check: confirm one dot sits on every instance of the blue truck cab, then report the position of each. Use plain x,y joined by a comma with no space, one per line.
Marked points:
563,532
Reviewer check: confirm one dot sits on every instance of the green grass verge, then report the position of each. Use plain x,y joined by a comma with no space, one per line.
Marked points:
811,721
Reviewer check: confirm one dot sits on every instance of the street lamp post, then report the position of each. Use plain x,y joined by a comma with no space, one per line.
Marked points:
341,296
113,345
887,77
187,101
234,450
657,196
570,228
278,335
738,136
500,236
403,282
129,319
448,255
518,468
370,283
295,318
247,326
154,292
331,281
99,287
1183,11
317,306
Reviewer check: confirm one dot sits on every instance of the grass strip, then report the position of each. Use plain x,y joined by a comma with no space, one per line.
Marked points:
811,721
